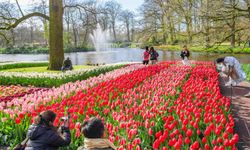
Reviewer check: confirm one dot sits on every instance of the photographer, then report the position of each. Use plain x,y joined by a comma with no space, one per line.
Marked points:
44,136
93,131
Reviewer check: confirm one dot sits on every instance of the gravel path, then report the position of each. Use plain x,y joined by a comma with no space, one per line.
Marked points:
241,111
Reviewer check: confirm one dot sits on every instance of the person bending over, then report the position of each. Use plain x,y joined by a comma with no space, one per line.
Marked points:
93,131
43,135
232,68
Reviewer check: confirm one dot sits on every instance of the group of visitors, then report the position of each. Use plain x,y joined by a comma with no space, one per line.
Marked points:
150,54
153,55
43,135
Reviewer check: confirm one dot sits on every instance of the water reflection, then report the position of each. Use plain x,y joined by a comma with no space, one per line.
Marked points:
119,55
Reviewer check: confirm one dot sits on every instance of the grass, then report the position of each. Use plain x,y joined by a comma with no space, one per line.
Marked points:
246,69
43,69
217,49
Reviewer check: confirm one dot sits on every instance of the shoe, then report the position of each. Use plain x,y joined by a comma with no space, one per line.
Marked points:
234,83
228,83
247,95
231,83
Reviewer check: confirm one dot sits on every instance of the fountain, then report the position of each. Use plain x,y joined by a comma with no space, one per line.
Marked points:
100,39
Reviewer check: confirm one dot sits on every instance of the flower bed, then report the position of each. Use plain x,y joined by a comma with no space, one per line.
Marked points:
7,93
162,106
52,79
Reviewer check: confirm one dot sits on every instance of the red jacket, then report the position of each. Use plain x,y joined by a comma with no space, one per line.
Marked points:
146,55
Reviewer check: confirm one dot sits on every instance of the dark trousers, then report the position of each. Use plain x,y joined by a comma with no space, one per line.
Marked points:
145,62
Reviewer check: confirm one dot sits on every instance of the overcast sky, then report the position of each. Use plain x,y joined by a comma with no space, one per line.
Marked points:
126,4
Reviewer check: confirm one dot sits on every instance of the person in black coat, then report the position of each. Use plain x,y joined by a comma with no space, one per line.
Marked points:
153,55
67,65
185,55
44,136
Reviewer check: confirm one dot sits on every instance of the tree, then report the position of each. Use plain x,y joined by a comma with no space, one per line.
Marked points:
127,17
113,8
8,11
56,53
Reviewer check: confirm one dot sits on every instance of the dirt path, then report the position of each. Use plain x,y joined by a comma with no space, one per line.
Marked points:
241,111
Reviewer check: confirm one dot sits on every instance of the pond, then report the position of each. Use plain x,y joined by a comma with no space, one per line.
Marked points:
115,55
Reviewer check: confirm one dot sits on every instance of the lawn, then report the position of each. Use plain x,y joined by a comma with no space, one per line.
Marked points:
246,69
43,69
215,49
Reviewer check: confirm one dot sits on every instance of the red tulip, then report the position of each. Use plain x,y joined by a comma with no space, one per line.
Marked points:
189,133
18,120
187,140
150,132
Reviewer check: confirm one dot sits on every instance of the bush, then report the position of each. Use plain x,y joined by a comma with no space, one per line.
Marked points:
5,66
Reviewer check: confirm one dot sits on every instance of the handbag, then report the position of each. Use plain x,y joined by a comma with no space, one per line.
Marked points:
22,145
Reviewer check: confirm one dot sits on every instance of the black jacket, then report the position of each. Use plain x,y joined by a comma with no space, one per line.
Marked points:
153,55
46,138
82,148
185,54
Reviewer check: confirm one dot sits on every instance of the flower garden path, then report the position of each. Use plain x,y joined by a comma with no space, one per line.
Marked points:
241,111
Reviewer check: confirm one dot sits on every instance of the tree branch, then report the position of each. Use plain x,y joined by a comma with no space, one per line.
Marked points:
4,36
80,6
18,21
19,7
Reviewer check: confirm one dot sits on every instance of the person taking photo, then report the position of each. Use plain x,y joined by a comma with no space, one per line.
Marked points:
43,135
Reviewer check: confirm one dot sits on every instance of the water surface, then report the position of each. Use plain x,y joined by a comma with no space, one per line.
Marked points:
115,55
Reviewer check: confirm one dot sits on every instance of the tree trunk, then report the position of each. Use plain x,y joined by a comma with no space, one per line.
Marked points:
31,34
114,33
13,37
56,35
75,35
171,30
233,32
128,32
164,30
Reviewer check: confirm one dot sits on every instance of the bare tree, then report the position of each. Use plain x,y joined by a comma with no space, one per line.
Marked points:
127,17
113,8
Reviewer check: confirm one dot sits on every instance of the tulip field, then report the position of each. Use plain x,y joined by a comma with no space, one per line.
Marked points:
163,106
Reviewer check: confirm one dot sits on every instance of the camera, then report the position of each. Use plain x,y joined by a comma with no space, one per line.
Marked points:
65,118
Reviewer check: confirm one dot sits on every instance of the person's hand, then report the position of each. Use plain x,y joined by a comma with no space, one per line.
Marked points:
66,123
